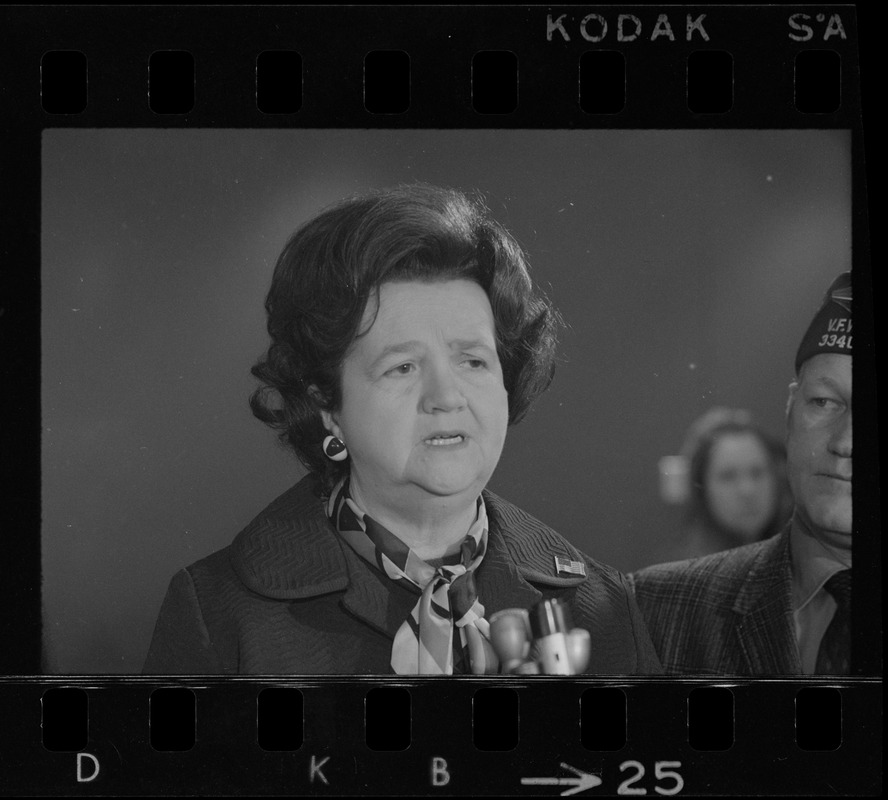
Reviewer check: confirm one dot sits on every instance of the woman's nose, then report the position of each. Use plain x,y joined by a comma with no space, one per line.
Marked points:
749,486
441,390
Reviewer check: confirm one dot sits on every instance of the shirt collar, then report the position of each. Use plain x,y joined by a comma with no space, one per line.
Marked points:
813,563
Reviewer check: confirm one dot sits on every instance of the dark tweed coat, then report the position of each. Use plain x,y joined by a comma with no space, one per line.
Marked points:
288,597
726,613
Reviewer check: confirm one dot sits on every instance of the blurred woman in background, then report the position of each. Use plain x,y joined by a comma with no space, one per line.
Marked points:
735,489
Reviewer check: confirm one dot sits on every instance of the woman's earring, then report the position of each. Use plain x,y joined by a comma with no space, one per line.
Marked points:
334,449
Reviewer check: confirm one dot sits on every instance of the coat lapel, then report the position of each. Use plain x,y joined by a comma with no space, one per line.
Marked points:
290,558
373,598
521,553
499,583
764,631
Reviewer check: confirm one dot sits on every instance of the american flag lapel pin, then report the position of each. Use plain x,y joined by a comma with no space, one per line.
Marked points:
566,566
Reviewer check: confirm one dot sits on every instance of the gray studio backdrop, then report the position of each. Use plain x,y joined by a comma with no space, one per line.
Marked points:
686,264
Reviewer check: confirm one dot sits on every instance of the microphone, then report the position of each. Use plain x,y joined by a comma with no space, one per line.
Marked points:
549,625
510,637
540,641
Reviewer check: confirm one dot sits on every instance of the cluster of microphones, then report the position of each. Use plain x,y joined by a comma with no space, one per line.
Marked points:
539,641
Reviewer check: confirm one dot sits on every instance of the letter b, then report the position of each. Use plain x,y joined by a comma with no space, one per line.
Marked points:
440,775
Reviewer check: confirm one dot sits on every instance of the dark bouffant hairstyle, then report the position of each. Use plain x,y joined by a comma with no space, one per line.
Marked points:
335,263
702,437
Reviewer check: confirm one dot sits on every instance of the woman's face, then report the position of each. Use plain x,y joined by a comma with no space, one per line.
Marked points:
740,487
424,409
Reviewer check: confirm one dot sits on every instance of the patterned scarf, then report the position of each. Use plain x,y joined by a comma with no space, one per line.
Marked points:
447,597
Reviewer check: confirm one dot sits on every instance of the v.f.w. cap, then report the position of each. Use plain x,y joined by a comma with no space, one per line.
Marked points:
830,330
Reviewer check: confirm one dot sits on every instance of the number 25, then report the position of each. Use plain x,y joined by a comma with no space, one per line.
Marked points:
663,770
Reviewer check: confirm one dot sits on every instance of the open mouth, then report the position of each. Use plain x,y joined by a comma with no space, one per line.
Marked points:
445,439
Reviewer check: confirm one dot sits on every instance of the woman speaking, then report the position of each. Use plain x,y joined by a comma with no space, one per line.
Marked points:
406,336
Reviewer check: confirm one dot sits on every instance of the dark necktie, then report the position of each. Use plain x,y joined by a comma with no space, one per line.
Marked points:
834,656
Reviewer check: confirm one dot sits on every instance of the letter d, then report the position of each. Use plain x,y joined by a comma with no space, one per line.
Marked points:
81,778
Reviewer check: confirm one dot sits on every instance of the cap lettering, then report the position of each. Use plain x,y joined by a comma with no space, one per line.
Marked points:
842,324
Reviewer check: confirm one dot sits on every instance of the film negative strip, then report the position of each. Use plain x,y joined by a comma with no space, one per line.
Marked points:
685,182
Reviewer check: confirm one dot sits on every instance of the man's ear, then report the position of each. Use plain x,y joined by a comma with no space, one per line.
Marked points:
793,388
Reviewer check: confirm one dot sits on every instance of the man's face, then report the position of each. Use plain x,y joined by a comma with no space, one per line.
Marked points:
818,447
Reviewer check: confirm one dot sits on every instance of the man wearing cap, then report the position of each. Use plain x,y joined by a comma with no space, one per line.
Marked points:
780,606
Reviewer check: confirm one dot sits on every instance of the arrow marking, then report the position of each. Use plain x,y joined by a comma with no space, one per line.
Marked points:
583,781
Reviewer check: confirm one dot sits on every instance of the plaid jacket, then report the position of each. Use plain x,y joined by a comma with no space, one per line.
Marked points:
726,613
289,597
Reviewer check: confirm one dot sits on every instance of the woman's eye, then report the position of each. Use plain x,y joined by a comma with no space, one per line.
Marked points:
401,369
475,363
